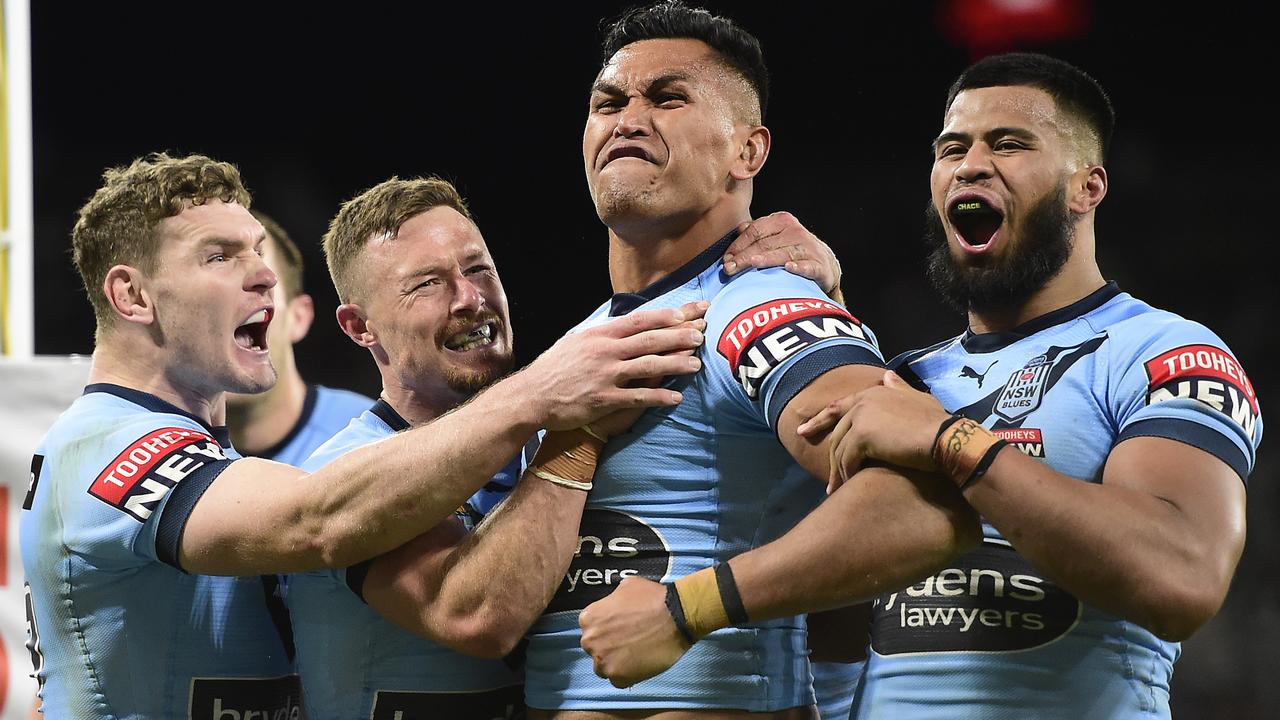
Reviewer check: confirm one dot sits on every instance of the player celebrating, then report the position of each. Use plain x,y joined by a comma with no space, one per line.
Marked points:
140,515
672,144
1113,524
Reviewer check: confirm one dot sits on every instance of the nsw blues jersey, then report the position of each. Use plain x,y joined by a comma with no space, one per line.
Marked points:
324,412
991,636
118,630
834,684
699,483
356,664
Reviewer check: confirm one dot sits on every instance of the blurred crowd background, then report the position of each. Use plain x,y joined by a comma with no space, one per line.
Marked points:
316,102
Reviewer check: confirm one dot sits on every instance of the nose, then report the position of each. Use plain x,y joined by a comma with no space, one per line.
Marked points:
976,164
260,276
633,119
467,297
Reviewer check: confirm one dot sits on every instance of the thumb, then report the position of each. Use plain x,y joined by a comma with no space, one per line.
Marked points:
891,380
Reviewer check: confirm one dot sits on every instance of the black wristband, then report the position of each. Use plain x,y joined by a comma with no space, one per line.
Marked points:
729,595
987,458
676,608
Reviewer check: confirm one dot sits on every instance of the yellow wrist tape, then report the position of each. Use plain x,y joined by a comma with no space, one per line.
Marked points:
568,458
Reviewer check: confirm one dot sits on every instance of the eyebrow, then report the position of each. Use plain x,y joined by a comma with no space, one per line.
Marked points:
472,256
657,83
1016,132
221,241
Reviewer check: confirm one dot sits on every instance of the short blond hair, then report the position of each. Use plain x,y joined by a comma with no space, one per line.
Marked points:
118,224
379,212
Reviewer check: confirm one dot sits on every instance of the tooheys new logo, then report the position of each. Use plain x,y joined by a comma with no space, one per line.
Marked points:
147,470
612,545
1207,374
761,338
989,600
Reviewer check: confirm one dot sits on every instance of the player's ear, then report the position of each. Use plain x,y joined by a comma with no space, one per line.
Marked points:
127,295
352,320
1089,186
302,310
755,150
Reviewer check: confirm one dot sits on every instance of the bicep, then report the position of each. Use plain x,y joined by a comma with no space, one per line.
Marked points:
835,383
248,521
1205,492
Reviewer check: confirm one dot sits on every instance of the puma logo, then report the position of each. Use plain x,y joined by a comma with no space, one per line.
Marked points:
969,372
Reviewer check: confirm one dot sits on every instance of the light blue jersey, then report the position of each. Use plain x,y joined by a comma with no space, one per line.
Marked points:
356,664
117,629
700,483
324,412
991,636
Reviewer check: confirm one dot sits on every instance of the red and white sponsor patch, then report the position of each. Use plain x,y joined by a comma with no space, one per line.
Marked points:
760,338
1029,440
143,473
1205,373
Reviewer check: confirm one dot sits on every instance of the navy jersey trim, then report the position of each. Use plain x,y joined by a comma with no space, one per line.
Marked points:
182,501
388,415
155,404
308,407
994,341
623,303
1195,435
356,575
810,368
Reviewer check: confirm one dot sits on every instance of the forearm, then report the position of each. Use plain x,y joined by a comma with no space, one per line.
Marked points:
377,497
1119,549
879,532
507,571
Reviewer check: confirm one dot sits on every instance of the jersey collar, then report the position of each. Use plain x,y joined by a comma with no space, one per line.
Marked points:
993,341
388,415
308,407
155,404
623,303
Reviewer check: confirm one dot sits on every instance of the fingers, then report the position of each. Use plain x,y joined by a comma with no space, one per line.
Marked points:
826,418
645,320
660,341
658,366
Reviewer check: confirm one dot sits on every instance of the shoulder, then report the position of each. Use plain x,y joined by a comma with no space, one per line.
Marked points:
361,430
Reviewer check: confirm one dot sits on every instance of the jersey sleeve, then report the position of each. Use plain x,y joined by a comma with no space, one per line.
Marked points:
129,490
775,333
1181,382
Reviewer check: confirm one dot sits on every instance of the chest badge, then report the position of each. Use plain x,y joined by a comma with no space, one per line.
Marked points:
1024,390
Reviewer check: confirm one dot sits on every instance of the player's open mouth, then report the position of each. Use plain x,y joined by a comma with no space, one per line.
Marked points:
478,336
975,221
252,333
627,151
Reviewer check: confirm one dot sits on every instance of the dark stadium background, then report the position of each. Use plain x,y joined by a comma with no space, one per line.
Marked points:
315,103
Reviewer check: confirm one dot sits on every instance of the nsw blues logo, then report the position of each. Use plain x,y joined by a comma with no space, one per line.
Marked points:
1024,390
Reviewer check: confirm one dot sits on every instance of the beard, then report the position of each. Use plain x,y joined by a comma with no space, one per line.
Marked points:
1035,258
492,366
471,380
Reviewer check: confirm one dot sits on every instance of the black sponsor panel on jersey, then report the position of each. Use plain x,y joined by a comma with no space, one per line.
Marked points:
278,698
502,704
761,338
37,462
991,599
612,545
1208,375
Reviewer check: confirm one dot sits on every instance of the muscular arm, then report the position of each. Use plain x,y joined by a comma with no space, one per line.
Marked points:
259,517
1157,542
478,593
887,528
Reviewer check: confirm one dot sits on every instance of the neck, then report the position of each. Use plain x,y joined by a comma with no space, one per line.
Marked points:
643,252
118,360
261,421
1077,279
416,406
